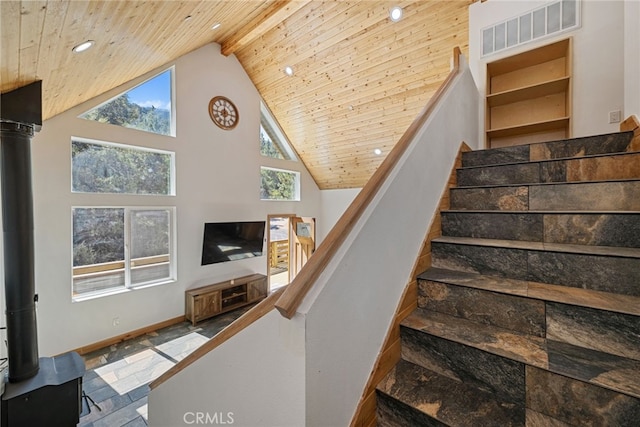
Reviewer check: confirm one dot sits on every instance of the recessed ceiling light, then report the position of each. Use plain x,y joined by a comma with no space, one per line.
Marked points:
395,13
216,26
83,46
377,151
288,70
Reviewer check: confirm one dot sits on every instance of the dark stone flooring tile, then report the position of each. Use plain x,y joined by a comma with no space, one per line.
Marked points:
579,403
139,392
137,422
579,147
501,377
106,407
489,225
450,402
605,331
493,198
503,262
593,229
608,370
523,173
516,313
601,273
593,196
494,156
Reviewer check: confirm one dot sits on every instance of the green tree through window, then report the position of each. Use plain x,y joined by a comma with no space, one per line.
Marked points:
146,107
277,184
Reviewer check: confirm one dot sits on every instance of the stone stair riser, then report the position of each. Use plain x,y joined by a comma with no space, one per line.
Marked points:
608,332
578,403
499,376
621,230
595,272
592,196
573,170
580,147
516,313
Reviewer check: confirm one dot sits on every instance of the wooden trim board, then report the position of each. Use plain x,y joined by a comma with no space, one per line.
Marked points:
128,335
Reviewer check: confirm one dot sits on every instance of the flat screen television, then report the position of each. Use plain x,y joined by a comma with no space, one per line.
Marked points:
230,241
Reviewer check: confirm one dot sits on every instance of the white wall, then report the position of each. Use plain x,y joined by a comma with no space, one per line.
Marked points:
333,203
218,178
632,58
598,57
352,304
257,376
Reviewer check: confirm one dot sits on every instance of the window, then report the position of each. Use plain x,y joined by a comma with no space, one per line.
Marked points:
118,248
278,184
99,167
146,107
273,142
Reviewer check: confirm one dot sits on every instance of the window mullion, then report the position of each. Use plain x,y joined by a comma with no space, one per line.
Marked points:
127,247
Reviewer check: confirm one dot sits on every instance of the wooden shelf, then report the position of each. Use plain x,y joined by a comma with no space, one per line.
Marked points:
529,96
528,128
541,89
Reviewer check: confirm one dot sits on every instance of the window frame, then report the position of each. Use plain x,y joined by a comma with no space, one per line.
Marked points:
275,131
172,169
172,93
128,286
297,190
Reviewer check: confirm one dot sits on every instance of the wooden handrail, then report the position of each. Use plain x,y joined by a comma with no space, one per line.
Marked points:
255,313
303,282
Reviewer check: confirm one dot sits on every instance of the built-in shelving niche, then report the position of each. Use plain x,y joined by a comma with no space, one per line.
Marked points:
529,96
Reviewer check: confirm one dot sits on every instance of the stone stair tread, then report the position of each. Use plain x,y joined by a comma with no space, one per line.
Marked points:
557,159
625,304
549,184
615,142
613,372
446,400
543,212
542,246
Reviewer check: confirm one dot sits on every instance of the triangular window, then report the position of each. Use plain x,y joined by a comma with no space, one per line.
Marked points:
273,141
146,107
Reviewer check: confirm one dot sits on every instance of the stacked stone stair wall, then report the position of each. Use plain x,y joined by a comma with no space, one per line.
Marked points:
530,312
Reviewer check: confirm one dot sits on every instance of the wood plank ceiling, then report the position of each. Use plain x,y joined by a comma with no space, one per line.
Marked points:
360,79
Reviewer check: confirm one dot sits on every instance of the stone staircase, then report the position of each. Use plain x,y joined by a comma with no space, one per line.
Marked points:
530,313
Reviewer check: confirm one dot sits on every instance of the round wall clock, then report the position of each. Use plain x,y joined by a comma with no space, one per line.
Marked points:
223,112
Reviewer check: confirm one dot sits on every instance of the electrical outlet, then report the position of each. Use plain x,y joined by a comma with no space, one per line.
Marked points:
615,116
116,321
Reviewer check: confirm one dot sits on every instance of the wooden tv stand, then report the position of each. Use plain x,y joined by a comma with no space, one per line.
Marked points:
208,301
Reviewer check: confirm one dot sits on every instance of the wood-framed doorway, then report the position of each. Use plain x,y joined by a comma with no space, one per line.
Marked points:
278,249
290,242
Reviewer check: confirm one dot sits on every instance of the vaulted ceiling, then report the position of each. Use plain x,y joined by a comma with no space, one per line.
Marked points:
360,78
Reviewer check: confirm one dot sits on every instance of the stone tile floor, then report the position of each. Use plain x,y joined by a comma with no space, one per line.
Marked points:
117,377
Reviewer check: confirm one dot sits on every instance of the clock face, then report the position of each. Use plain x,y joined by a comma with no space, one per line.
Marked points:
223,112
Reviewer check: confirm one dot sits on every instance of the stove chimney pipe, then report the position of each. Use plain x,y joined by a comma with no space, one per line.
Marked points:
20,115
